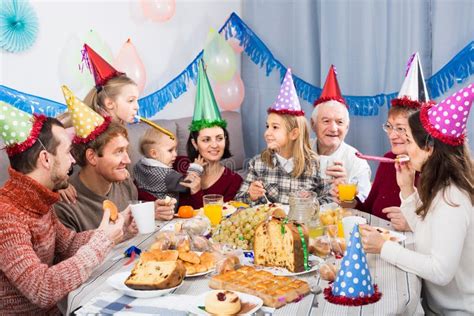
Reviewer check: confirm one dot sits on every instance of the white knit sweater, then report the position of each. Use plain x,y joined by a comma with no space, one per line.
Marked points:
444,251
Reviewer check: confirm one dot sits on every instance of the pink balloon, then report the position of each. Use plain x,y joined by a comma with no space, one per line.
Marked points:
158,10
230,95
130,63
235,44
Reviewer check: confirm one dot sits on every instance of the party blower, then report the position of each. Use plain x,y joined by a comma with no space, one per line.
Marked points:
399,158
154,125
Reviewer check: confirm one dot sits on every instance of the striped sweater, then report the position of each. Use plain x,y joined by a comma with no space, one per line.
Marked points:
41,261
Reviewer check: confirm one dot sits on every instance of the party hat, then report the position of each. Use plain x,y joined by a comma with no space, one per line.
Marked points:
331,90
413,93
287,101
19,129
353,285
447,120
101,69
87,123
206,112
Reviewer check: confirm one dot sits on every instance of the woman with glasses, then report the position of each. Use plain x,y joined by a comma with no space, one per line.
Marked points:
383,200
440,210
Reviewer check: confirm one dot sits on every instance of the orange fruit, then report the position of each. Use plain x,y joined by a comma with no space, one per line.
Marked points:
109,205
185,211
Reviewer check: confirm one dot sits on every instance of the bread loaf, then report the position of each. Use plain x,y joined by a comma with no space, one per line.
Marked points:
278,244
156,275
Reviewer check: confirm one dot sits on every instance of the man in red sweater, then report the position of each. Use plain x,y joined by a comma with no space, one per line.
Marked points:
41,260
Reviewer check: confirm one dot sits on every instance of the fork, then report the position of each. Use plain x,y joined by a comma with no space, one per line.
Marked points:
315,289
264,194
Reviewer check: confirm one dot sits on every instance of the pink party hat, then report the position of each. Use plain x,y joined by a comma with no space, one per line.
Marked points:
287,101
447,120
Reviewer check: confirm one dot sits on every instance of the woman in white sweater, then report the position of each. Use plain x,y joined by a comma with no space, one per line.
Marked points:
440,212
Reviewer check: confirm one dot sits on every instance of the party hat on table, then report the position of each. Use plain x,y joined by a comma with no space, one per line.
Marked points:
331,90
287,101
447,120
206,112
87,123
19,129
353,285
101,69
413,93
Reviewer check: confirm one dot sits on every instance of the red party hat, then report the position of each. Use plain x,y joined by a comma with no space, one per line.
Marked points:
102,70
331,90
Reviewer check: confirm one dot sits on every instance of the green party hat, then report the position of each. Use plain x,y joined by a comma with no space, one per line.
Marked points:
19,129
206,112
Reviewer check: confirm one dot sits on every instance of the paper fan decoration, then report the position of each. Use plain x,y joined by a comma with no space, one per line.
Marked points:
18,25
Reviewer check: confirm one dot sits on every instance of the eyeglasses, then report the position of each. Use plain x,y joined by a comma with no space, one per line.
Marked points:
388,128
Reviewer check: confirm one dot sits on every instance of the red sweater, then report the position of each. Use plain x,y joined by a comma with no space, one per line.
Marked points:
385,191
228,185
41,260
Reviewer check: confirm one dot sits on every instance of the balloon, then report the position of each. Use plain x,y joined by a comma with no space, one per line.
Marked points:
235,44
68,63
219,58
158,10
129,62
230,95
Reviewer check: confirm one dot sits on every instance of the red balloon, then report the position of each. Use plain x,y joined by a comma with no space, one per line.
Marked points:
158,10
129,62
230,95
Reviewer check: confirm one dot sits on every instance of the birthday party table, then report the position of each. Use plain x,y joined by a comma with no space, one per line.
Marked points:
400,290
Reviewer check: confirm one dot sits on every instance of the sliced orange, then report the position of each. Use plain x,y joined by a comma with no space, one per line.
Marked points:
185,211
109,205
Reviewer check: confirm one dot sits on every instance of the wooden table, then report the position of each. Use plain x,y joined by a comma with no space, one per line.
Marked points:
400,289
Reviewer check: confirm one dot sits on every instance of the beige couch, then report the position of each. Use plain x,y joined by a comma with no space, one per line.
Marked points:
180,128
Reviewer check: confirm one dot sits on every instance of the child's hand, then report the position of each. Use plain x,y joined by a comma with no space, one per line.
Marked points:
200,161
256,190
193,182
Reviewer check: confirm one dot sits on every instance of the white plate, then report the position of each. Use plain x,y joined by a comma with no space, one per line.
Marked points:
313,261
244,298
117,282
399,236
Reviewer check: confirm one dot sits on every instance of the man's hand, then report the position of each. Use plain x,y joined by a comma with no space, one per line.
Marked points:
129,226
164,210
397,219
69,194
114,231
337,171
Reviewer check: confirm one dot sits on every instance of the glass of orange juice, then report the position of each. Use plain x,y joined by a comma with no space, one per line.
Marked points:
213,207
347,191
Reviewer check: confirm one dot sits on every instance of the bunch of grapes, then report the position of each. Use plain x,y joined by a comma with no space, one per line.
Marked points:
239,229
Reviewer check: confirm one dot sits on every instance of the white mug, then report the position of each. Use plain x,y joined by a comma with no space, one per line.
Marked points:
348,224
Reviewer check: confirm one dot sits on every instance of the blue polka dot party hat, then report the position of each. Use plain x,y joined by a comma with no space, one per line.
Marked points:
353,285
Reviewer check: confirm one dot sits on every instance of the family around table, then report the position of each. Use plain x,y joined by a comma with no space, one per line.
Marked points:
54,232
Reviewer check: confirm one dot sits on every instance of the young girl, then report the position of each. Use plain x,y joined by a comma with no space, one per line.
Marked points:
440,211
288,164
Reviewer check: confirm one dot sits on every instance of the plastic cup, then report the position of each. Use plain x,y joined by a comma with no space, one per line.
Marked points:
144,215
348,224
213,204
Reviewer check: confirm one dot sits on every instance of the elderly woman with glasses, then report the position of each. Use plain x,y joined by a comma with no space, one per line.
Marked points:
383,200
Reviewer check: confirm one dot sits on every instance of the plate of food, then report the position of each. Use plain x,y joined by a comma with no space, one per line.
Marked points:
197,263
224,302
118,280
391,235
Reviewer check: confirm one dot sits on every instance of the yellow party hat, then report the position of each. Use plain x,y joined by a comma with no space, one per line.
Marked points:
87,123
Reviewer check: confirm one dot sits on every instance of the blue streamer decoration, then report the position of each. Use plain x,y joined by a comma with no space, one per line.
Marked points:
457,70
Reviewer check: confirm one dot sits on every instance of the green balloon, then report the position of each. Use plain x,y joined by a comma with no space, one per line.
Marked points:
219,58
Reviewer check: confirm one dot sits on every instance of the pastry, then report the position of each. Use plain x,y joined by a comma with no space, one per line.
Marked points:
279,244
328,272
155,275
190,257
222,303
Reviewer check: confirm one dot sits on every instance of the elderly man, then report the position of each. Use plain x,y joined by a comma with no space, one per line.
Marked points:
101,152
330,122
41,260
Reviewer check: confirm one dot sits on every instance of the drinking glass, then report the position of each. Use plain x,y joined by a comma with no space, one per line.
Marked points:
213,204
347,191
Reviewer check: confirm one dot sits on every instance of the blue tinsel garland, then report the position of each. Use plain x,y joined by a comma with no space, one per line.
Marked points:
456,70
